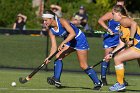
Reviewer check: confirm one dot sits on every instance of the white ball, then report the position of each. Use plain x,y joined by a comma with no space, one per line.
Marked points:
13,84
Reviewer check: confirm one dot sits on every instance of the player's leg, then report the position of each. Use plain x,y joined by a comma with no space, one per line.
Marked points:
82,57
124,80
58,66
104,66
126,55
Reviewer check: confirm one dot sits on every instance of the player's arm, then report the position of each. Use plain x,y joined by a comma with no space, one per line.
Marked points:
120,46
69,29
102,21
133,29
53,43
129,23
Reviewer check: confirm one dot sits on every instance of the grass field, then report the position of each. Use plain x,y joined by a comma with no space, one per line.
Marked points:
25,51
72,83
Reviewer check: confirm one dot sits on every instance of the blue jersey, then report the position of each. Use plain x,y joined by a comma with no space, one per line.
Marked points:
111,40
78,43
61,31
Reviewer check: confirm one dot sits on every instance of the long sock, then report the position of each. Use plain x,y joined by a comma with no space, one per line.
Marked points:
104,66
92,74
58,66
120,73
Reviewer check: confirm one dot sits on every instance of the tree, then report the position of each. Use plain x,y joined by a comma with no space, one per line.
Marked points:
133,5
10,8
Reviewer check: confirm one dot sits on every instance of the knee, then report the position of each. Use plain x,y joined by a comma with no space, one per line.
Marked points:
117,60
83,66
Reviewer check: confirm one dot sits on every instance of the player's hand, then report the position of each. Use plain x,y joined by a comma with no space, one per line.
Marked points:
108,57
47,61
61,46
110,32
130,43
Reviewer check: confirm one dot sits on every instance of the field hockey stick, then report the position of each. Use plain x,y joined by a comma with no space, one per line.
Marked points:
103,32
24,80
113,54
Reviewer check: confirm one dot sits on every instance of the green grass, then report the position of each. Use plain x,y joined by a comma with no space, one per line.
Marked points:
72,82
28,52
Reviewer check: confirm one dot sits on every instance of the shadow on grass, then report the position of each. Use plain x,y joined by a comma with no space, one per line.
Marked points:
75,87
131,90
113,84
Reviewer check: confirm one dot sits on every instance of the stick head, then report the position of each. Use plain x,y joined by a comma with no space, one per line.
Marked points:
22,80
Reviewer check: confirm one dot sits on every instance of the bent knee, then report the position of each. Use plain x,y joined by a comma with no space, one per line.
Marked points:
116,58
83,66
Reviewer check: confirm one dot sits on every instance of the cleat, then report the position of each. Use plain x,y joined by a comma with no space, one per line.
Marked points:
98,86
125,82
57,84
53,81
50,80
117,87
104,81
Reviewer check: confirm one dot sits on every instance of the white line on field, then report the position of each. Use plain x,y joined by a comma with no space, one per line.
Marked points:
59,90
3,88
16,72
32,89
